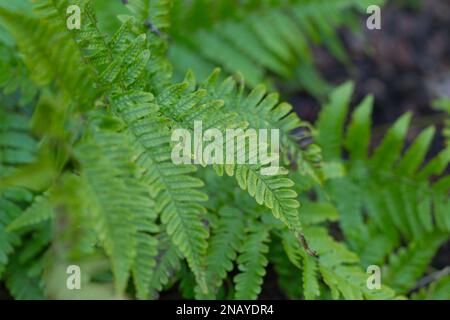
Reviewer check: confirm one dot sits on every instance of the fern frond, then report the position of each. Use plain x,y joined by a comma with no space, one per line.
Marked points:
400,209
172,187
337,266
39,211
17,148
15,77
262,110
272,191
8,212
24,273
409,263
120,205
252,263
286,271
121,63
60,62
153,14
167,264
146,253
331,122
438,290
225,242
257,39
307,264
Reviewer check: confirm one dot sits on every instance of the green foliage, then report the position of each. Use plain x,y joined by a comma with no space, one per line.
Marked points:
438,290
87,176
386,198
260,38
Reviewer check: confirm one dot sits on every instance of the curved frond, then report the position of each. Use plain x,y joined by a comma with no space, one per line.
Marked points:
252,263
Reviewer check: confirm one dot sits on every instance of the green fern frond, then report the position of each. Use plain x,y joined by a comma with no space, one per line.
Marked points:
409,263
287,273
252,263
9,211
337,266
17,148
167,264
272,191
120,206
224,244
146,253
257,39
262,110
121,65
403,208
173,189
155,14
24,273
40,210
15,77
60,62
438,290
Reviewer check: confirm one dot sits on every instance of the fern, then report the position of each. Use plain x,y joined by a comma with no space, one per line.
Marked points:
225,242
436,291
47,64
17,148
23,275
252,263
259,38
118,202
40,210
93,183
385,196
408,265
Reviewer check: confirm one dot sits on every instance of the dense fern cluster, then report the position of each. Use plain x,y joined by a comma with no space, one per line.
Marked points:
87,177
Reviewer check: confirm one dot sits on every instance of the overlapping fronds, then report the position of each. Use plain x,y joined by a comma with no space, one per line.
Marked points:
155,15
408,265
117,196
15,77
60,63
387,195
336,265
259,38
263,110
17,148
23,276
